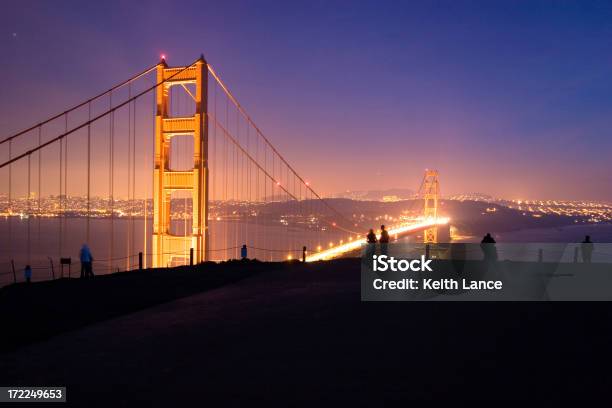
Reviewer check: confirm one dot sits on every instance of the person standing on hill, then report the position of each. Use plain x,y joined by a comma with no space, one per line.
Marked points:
27,272
586,248
86,262
488,248
371,245
384,241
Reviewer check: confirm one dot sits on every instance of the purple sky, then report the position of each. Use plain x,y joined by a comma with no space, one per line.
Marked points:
511,99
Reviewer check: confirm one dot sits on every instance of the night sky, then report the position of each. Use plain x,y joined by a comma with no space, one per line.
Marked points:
512,99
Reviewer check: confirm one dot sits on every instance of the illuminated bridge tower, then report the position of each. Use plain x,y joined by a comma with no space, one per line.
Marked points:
431,193
166,181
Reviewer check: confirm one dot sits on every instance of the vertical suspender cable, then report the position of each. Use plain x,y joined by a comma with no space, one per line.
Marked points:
128,231
224,195
10,198
249,189
87,233
288,210
111,119
185,233
61,183
65,196
10,178
274,183
211,170
146,195
132,209
264,181
236,197
299,214
112,168
257,214
29,212
214,165
39,184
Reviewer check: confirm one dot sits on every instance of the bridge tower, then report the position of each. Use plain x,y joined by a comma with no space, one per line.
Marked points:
431,193
165,245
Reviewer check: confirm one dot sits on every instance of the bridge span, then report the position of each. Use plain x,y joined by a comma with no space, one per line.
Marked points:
178,173
395,232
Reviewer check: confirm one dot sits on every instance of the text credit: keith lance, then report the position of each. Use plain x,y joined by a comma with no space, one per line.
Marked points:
383,263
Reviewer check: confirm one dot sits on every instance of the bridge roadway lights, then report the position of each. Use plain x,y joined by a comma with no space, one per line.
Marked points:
430,189
339,250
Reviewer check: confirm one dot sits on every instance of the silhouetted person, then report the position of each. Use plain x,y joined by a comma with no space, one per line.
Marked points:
371,245
86,262
488,248
27,273
384,241
488,239
586,248
243,252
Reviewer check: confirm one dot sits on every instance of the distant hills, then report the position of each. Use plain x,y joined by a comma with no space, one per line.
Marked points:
393,194
469,217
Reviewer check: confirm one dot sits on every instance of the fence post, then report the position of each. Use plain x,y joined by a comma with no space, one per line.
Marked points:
140,261
540,255
190,256
576,255
66,261
304,254
14,274
52,270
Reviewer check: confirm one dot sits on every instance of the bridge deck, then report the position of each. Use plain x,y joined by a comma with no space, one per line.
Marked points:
396,231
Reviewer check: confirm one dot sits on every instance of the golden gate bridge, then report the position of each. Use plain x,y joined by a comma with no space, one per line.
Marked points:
182,174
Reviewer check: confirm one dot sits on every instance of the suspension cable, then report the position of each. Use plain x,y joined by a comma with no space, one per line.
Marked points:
82,125
59,115
272,178
88,174
260,133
